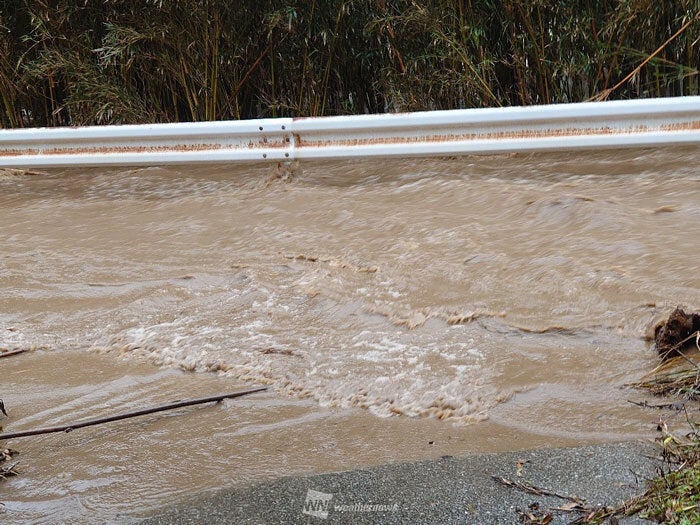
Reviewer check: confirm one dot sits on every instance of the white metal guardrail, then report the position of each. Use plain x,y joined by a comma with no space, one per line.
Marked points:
635,123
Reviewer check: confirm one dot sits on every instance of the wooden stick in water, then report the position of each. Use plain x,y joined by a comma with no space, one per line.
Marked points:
118,417
12,352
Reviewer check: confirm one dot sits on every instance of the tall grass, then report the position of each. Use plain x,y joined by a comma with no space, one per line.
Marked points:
76,62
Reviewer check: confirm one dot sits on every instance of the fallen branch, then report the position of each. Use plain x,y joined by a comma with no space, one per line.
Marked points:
13,352
531,489
118,417
678,405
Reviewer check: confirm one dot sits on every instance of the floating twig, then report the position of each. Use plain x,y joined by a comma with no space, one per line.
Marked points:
13,352
118,417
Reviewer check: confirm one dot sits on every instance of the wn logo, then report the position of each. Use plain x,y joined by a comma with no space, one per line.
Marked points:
317,504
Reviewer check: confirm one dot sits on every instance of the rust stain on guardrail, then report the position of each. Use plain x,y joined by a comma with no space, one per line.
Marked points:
263,143
107,150
350,139
496,135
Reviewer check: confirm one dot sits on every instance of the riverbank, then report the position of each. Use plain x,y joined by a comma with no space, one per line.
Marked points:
447,490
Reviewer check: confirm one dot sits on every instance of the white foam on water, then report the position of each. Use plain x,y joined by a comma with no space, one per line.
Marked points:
417,292
400,295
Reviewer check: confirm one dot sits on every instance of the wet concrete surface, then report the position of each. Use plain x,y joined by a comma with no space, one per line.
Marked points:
448,490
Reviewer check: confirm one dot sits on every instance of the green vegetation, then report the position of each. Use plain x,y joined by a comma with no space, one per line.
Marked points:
674,496
74,62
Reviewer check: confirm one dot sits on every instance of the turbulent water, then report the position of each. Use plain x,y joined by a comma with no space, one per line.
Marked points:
413,296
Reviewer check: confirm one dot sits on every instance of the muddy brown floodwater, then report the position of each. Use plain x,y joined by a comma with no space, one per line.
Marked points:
398,310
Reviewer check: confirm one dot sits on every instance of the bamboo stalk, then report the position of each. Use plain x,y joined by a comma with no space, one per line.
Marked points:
161,408
305,60
606,93
249,72
173,61
327,73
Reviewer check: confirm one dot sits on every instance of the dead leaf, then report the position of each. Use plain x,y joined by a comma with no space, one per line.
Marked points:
519,466
568,507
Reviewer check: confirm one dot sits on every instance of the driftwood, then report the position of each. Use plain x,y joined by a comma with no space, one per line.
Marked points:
118,417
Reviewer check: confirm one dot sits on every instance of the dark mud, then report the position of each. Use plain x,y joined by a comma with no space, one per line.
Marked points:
675,334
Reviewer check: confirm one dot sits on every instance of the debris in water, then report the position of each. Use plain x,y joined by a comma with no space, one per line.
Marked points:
6,173
676,405
7,471
278,351
679,332
333,262
676,377
9,353
666,209
127,415
8,453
